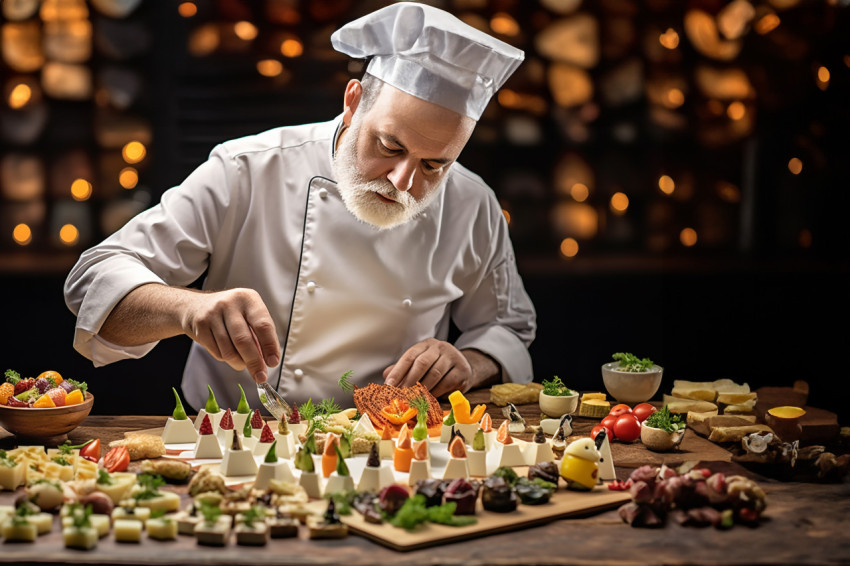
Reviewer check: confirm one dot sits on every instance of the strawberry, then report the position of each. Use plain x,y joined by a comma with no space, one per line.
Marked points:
6,391
256,419
23,385
58,395
266,436
226,421
206,426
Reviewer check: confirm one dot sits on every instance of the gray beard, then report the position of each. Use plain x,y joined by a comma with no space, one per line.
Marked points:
357,191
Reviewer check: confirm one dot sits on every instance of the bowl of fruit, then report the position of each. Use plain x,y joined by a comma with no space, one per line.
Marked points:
44,408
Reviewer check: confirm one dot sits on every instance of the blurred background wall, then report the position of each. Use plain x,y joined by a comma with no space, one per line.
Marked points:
674,172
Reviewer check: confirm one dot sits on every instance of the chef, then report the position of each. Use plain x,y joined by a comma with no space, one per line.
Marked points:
352,244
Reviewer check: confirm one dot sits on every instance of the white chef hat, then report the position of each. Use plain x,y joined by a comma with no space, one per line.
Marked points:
430,54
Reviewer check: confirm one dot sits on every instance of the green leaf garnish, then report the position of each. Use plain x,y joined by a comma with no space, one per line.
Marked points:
630,362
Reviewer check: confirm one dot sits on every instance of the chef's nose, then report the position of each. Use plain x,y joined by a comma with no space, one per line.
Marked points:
402,173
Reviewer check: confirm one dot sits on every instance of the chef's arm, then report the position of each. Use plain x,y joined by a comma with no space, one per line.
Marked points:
233,325
485,370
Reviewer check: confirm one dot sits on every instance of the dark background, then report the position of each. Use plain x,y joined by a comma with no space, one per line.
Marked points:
759,305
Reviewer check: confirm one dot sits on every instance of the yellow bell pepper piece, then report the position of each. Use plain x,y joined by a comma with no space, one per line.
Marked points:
461,408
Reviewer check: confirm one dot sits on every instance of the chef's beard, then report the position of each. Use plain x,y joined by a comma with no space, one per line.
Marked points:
356,190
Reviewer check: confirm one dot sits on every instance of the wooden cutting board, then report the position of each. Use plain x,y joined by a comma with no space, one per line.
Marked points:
564,503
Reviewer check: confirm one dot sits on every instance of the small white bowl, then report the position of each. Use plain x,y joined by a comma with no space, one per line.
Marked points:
558,405
631,387
660,440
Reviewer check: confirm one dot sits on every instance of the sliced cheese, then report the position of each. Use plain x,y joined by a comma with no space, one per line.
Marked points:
729,386
744,409
737,398
735,433
697,393
680,405
589,396
698,422
704,423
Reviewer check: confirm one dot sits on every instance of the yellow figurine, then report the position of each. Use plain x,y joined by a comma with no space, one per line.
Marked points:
580,465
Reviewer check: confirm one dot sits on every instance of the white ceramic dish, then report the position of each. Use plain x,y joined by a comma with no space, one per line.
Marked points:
631,387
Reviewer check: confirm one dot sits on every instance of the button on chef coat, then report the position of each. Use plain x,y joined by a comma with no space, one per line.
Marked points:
264,213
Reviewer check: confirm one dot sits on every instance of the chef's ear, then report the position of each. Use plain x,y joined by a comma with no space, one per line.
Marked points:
351,100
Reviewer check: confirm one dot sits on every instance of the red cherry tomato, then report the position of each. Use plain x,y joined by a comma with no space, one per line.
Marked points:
618,410
598,428
117,459
609,421
643,410
627,428
91,451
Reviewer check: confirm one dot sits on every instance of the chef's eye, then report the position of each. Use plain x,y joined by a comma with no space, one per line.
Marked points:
386,150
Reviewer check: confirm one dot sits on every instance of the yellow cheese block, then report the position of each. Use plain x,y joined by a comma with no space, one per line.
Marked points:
737,398
594,408
680,405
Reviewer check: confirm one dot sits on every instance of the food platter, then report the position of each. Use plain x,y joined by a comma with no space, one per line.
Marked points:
563,504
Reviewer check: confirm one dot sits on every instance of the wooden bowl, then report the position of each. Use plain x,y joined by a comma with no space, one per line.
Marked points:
46,425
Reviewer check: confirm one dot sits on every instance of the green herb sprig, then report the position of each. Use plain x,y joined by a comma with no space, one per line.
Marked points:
665,420
414,512
556,388
345,383
630,362
150,484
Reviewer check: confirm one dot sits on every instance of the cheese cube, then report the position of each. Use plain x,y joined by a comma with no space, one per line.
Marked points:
167,501
22,532
12,476
127,530
162,528
99,522
80,537
139,514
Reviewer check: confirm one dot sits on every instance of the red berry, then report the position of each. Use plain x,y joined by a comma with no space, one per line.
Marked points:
266,436
294,416
13,402
256,419
23,385
226,421
206,426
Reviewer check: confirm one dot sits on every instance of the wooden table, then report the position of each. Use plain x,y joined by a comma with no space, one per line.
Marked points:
804,523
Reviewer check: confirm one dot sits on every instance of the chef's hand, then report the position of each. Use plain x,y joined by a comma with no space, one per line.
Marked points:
235,327
441,368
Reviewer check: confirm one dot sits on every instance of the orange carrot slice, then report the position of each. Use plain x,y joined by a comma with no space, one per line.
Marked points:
403,454
503,435
329,456
486,423
457,449
420,451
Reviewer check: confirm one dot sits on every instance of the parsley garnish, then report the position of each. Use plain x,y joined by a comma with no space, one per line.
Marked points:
630,362
556,388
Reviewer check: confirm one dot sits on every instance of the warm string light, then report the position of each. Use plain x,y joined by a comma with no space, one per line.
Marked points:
669,39
20,96
666,184
795,165
22,234
619,203
187,9
245,31
688,237
579,192
81,190
128,178
569,247
69,234
134,152
269,67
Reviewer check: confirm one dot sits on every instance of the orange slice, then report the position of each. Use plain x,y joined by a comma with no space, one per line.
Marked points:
457,449
44,402
420,451
403,441
387,433
75,397
486,423
503,435
329,456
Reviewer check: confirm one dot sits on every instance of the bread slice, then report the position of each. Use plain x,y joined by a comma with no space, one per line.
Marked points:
698,422
742,409
704,423
681,405
735,433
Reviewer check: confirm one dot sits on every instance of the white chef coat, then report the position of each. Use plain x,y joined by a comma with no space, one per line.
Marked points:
264,213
